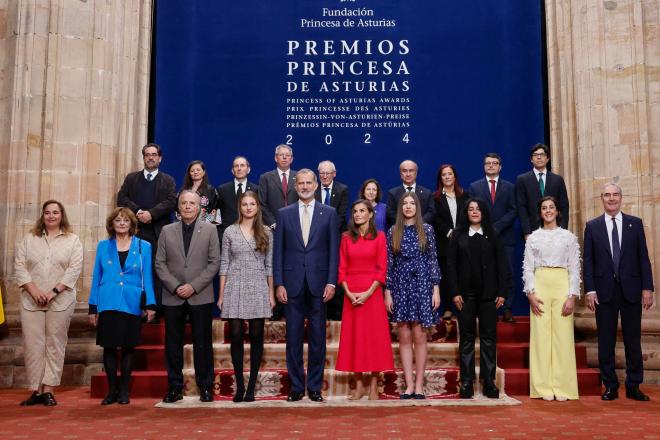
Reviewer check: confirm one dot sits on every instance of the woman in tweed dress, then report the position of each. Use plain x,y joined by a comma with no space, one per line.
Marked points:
246,287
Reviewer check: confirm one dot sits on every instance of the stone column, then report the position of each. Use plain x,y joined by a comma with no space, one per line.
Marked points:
603,69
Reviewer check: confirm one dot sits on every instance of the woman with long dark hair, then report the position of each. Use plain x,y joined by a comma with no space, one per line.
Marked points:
412,295
449,199
196,179
372,192
479,282
246,288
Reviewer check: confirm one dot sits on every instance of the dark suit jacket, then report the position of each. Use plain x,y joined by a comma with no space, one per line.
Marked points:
503,212
528,195
270,194
227,202
293,262
634,265
165,197
338,200
442,223
425,198
495,271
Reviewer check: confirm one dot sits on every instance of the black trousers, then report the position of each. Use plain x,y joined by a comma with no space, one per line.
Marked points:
201,319
485,311
446,300
607,317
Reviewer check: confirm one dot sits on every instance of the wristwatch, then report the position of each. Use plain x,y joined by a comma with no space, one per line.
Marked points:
55,291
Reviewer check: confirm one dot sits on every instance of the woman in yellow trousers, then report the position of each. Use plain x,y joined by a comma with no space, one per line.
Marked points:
551,273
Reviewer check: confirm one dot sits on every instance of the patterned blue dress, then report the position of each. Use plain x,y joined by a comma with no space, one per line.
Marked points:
411,275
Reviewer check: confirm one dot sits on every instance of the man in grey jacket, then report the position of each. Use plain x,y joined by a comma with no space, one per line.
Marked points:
187,260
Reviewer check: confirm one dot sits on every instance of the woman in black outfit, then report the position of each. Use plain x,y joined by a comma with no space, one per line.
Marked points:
479,282
449,199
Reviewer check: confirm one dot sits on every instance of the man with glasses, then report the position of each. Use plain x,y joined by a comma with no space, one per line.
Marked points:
332,193
535,184
151,195
277,187
500,197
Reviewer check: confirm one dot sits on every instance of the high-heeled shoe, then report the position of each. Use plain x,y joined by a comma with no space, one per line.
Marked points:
249,395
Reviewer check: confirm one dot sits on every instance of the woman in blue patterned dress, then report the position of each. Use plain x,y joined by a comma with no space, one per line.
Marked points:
412,292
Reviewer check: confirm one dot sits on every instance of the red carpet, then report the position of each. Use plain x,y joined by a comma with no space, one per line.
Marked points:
80,417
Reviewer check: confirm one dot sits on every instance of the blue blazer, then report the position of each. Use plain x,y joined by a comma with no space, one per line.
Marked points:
114,288
293,262
634,265
503,212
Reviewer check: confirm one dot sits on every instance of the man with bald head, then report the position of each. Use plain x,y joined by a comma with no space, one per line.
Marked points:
618,281
188,258
408,173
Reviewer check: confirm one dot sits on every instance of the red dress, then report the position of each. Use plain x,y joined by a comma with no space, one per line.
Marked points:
364,342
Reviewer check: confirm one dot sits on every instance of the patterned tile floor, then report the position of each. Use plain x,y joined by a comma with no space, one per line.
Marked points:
80,417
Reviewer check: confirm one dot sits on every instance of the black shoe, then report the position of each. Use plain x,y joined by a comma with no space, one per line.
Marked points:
467,390
406,396
249,395
49,399
418,396
610,394
34,399
110,398
295,396
205,395
315,396
173,395
123,398
636,394
508,316
491,391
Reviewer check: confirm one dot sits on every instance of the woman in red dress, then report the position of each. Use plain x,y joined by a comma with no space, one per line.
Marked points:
364,343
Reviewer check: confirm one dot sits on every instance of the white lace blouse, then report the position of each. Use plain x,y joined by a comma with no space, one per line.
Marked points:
552,248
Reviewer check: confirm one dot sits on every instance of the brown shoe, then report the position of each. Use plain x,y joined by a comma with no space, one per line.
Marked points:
508,316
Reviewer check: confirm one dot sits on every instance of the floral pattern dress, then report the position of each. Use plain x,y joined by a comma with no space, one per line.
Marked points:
411,275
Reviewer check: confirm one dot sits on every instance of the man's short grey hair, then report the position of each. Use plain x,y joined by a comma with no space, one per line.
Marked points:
189,191
307,171
602,190
280,146
328,164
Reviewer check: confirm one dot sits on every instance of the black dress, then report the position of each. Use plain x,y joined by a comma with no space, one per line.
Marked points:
118,329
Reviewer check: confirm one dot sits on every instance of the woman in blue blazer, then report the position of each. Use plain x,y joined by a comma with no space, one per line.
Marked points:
122,275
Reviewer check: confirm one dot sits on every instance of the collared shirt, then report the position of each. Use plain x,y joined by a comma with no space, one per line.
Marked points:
453,208
471,231
153,173
496,179
545,174
619,226
187,231
280,173
243,187
323,192
46,262
301,208
413,185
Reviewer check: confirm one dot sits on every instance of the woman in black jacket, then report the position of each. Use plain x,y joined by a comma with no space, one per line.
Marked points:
479,282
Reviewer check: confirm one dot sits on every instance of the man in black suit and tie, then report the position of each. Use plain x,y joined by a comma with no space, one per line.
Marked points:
618,280
333,193
408,173
151,195
229,192
533,185
500,197
277,187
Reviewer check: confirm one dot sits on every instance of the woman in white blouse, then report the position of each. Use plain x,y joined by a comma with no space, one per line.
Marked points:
551,274
47,265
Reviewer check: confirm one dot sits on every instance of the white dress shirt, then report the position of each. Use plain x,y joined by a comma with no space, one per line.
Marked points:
545,175
453,208
301,208
323,193
619,226
471,231
153,173
243,187
413,185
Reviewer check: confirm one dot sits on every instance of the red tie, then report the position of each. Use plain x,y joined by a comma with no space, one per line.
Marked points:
492,191
285,187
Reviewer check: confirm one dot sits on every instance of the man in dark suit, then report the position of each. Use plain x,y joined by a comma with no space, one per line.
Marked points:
533,185
305,259
618,280
500,198
277,187
408,173
188,258
151,195
333,193
229,192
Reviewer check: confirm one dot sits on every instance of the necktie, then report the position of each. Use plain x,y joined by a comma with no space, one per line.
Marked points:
492,190
327,195
240,189
541,184
409,188
305,224
285,187
150,177
616,247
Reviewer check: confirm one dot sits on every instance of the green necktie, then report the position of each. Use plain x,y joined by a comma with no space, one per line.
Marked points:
541,184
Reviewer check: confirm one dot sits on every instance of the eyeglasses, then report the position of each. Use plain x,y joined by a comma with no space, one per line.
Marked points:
150,154
493,162
539,155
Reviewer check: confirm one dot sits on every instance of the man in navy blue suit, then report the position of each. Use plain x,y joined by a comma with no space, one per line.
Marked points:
618,280
500,197
408,173
305,259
